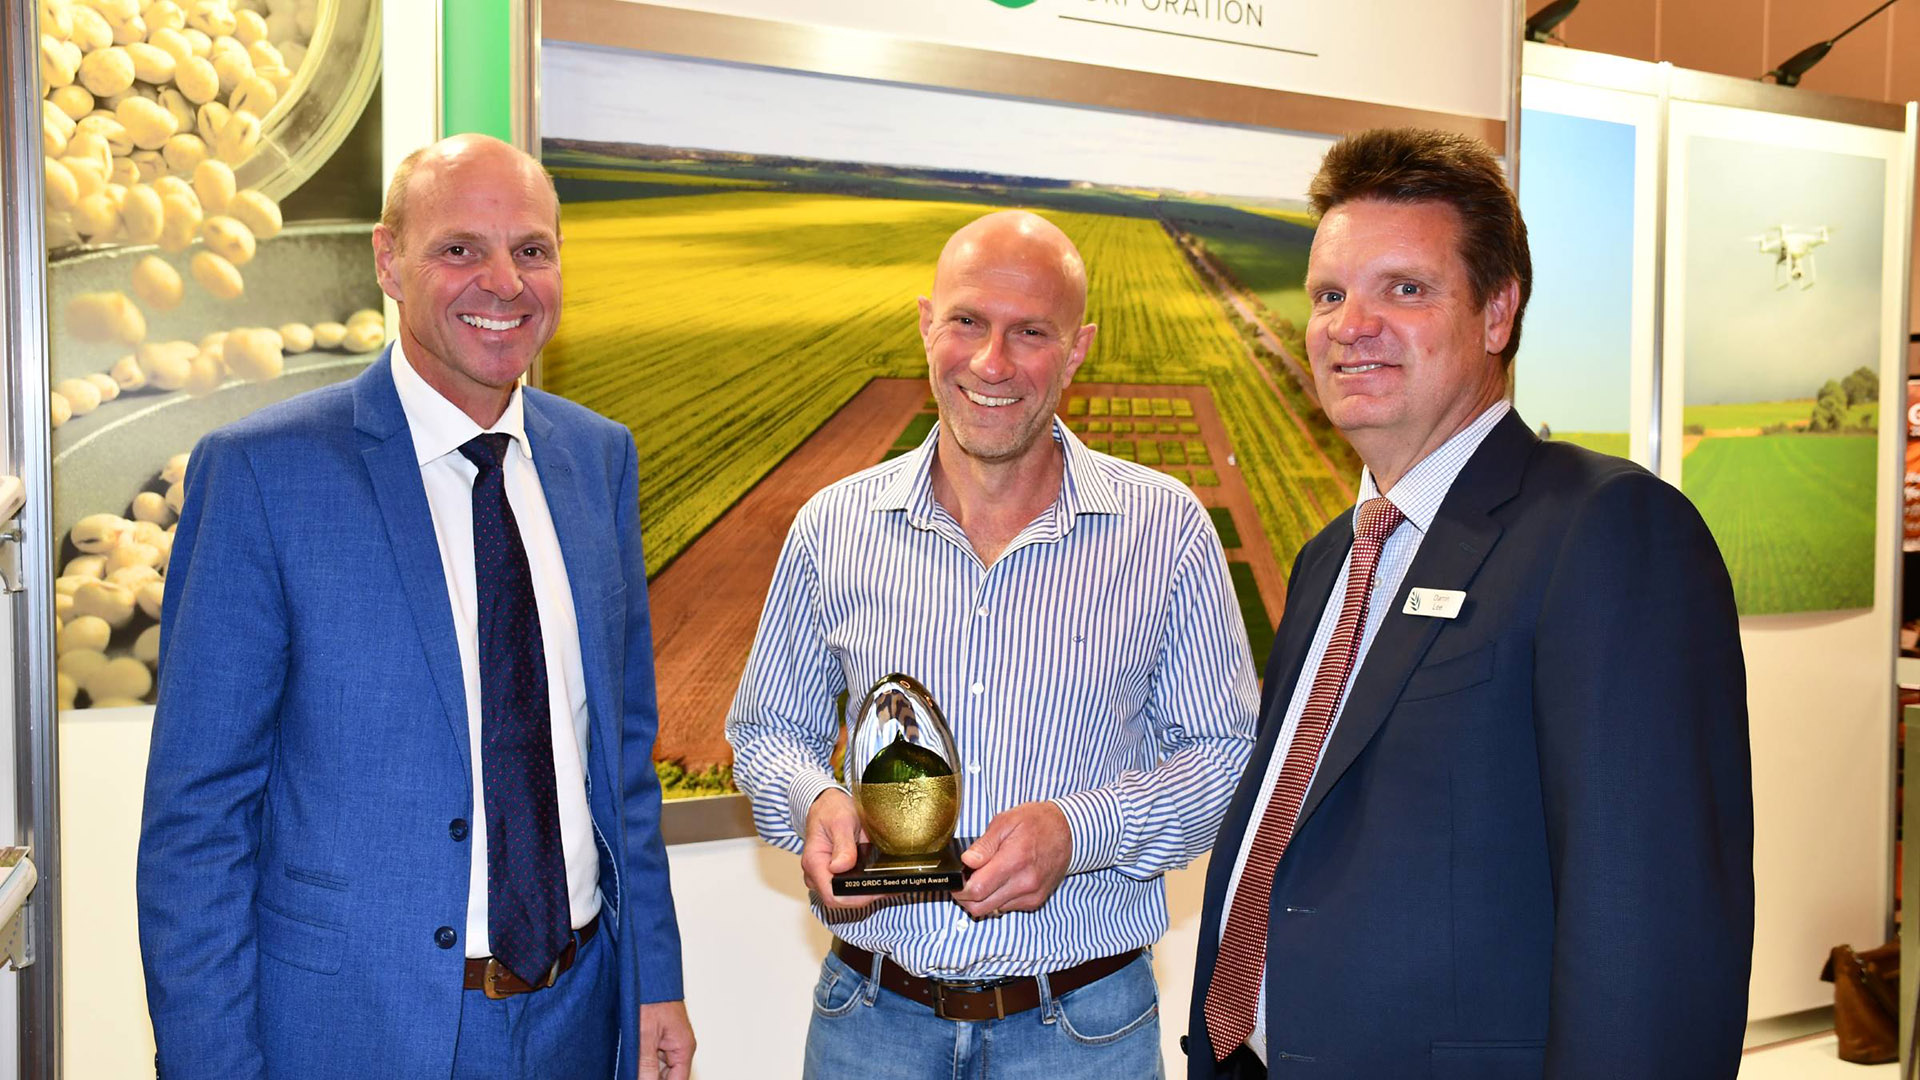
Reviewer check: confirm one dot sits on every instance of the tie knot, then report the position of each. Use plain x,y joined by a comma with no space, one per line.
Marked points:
1378,518
486,449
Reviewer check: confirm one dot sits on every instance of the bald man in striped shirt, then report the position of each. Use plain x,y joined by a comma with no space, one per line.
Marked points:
1073,616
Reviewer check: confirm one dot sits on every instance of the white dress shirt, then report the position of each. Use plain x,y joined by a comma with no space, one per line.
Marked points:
1418,495
439,430
1100,662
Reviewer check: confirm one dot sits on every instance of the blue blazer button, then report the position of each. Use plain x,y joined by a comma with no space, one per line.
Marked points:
445,937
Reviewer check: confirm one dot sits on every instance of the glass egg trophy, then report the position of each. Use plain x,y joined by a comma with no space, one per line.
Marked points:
904,769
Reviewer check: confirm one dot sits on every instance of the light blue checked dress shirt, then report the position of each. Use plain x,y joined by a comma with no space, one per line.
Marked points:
1101,662
1418,495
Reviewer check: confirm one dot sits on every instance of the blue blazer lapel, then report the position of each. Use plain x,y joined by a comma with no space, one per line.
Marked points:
387,448
582,526
1452,553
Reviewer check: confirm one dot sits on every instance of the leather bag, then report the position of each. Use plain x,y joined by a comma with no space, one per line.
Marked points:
1866,1002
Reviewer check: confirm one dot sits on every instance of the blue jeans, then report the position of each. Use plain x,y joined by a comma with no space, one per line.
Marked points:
1107,1030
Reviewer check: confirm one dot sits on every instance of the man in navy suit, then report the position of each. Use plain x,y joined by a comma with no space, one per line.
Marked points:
1498,823
401,815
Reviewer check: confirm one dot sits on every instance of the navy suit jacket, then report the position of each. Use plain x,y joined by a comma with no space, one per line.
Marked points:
1528,849
302,881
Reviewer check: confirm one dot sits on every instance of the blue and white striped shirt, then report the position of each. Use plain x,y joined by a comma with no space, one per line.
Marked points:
1100,662
1418,495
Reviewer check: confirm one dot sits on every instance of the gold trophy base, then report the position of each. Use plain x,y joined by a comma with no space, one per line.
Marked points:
876,872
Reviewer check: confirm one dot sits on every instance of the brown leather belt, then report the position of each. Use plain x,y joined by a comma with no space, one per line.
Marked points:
990,999
489,975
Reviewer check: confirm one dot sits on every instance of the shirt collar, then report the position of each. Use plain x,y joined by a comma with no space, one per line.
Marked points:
1084,489
1420,492
439,427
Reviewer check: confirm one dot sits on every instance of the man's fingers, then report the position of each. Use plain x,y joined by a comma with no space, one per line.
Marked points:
1018,862
1002,886
993,879
832,846
666,1041
846,846
679,1060
817,866
1017,893
649,1053
987,845
982,883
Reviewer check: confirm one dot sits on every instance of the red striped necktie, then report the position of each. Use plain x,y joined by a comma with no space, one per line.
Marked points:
1233,995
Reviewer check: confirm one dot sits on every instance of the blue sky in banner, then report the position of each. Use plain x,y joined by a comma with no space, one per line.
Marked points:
1576,193
1746,339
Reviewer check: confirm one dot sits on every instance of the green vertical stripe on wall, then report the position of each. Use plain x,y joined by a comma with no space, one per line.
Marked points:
476,67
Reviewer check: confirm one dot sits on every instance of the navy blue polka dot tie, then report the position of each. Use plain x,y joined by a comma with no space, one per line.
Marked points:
527,911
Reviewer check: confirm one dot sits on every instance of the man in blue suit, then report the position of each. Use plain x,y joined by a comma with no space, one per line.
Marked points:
401,815
1498,823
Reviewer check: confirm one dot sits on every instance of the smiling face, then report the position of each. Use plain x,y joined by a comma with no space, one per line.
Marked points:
1003,335
1402,354
477,273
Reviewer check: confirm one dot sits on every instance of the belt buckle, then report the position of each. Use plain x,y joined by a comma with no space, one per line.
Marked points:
490,980
940,990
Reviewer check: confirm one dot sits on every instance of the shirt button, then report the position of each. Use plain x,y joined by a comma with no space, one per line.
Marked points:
982,612
445,937
962,923
979,688
457,828
975,769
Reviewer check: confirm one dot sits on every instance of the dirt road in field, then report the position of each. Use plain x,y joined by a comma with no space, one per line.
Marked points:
707,602
1224,292
1232,493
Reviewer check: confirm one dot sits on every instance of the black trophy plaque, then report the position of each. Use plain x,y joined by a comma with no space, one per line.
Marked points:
877,872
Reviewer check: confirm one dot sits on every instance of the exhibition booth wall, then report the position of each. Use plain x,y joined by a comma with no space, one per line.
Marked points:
682,135
1744,38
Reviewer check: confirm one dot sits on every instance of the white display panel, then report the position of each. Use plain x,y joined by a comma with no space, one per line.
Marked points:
1447,55
1821,691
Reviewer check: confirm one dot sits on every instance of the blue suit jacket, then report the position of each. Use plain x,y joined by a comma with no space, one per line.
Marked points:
1528,850
310,750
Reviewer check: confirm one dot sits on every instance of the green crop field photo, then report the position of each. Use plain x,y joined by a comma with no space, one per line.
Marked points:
1761,414
724,327
1793,515
1606,442
1267,254
727,307
1252,611
1753,414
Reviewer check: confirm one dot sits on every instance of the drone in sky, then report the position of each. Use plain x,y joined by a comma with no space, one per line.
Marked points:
1792,251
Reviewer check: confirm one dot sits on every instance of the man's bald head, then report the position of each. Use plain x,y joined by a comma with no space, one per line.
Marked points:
445,161
1016,240
1004,336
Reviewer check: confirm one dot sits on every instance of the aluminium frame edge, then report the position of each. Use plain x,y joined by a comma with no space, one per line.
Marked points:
1910,113
1656,416
524,97
36,730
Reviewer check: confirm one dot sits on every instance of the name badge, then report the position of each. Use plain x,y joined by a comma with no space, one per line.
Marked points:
1434,603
